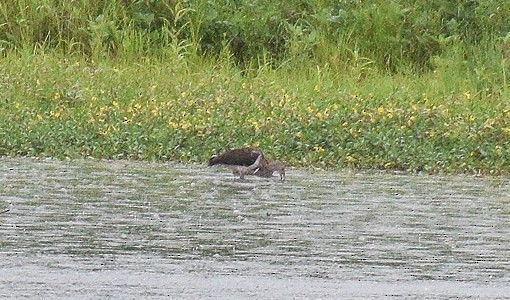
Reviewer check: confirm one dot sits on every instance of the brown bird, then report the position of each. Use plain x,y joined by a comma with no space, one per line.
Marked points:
248,161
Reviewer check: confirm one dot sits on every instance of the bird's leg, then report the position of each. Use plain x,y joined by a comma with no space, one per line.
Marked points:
241,171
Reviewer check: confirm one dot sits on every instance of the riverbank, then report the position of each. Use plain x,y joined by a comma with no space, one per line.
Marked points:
162,109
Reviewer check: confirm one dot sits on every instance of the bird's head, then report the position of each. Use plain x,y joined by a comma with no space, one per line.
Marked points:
278,167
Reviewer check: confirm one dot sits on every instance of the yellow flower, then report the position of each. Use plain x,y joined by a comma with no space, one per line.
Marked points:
172,124
55,114
366,113
322,115
283,100
425,98
410,121
350,158
318,149
254,124
105,131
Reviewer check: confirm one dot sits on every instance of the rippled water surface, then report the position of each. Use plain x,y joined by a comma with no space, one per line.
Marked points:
117,229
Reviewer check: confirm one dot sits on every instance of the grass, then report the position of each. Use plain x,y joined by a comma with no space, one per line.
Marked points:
322,102
161,110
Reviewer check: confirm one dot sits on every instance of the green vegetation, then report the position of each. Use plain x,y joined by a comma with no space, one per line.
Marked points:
402,85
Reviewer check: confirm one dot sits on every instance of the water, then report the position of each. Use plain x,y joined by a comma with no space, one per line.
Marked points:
116,229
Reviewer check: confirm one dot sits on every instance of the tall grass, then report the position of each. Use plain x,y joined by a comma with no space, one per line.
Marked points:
394,36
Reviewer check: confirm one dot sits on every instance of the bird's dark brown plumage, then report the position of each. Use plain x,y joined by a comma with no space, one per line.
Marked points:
236,157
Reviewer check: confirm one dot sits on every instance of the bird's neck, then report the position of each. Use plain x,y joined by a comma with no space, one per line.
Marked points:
273,166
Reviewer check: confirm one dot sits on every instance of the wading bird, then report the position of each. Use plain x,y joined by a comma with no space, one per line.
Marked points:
248,161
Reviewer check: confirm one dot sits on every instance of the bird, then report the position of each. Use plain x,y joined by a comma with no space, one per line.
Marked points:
248,161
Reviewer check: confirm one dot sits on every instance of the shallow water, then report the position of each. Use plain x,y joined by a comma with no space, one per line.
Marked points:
117,229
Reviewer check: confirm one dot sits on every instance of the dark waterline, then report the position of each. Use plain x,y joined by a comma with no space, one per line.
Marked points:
118,229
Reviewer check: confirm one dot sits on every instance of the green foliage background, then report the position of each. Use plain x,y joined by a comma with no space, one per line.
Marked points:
408,85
